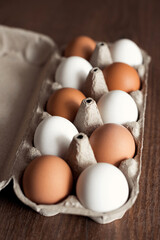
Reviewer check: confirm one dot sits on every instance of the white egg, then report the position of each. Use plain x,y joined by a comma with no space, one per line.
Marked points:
54,135
117,107
126,51
102,187
72,72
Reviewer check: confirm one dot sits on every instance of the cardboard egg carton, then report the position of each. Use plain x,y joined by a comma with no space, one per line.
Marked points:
28,62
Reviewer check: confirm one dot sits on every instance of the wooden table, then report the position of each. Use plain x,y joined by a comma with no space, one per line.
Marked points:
102,20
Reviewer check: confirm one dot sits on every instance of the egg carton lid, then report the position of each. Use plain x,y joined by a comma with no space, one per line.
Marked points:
28,62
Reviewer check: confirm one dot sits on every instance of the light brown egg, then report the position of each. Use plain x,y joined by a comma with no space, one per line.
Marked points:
81,46
65,103
47,180
121,76
112,143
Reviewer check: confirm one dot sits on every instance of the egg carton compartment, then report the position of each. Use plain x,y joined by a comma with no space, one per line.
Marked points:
28,64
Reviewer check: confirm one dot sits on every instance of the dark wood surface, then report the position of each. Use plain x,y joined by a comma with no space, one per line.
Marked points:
102,20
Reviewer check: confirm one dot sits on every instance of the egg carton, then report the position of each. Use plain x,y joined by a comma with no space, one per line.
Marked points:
28,62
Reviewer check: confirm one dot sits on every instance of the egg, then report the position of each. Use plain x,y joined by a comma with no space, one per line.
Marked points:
117,107
65,103
121,76
126,51
53,136
112,143
81,46
102,188
47,180
72,72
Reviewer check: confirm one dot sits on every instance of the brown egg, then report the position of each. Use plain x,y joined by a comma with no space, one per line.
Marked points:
121,76
112,143
47,180
81,46
65,103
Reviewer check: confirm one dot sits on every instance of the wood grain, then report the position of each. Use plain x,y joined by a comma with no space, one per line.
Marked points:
103,20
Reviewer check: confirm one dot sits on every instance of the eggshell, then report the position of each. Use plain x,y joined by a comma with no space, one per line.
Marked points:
54,135
117,107
126,51
65,103
102,187
81,46
47,180
112,143
121,76
72,72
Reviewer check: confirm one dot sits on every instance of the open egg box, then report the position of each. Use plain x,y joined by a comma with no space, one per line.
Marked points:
28,62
